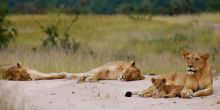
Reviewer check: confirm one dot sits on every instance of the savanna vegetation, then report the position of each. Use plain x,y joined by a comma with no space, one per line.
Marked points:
154,44
86,33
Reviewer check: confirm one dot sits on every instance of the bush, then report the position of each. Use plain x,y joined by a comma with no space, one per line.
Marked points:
56,40
6,34
52,38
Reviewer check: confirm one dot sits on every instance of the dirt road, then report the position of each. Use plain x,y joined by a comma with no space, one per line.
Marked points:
104,95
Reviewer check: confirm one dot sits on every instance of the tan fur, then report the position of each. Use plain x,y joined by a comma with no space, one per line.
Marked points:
17,73
197,81
120,70
163,90
20,73
200,81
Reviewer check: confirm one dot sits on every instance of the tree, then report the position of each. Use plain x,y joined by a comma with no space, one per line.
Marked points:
213,5
168,7
172,7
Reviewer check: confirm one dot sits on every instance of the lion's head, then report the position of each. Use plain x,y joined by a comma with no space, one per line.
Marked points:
158,83
131,72
195,61
17,73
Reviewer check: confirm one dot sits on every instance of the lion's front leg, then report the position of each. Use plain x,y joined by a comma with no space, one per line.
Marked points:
91,79
100,75
169,95
147,92
148,95
204,92
186,93
81,77
159,95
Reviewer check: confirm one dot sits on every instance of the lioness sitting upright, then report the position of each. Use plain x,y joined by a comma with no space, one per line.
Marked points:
197,81
119,70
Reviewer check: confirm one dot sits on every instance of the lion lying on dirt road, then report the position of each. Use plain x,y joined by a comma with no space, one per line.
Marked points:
163,90
20,73
119,70
198,81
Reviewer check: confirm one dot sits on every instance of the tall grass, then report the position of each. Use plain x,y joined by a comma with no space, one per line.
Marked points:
154,44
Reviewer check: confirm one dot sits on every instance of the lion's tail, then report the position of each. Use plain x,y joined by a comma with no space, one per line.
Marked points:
129,93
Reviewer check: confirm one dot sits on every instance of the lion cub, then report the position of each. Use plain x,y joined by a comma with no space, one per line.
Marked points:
165,91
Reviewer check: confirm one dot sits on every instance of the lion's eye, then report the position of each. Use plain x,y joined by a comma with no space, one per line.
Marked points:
187,58
197,59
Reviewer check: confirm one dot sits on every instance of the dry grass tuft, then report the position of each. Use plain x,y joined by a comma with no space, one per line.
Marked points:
153,44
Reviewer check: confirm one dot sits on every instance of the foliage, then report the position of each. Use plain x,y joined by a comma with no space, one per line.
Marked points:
213,5
67,42
6,34
169,7
154,44
52,35
55,40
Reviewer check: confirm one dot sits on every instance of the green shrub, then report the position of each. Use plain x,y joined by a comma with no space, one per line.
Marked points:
64,40
6,34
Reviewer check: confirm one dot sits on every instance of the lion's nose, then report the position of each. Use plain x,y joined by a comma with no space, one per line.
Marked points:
190,66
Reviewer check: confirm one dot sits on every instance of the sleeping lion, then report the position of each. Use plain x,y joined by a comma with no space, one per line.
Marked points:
21,73
118,70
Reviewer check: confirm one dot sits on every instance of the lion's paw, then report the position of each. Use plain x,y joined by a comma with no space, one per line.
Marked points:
68,76
187,94
81,79
141,94
90,79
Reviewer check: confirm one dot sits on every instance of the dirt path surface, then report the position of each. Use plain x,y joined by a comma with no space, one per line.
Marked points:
104,95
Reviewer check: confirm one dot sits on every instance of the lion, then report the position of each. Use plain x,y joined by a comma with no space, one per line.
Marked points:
20,73
118,70
197,81
163,90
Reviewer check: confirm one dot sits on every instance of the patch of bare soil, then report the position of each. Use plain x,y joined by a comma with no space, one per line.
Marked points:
104,95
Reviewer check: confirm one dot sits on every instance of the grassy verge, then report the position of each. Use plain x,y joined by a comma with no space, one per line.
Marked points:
154,44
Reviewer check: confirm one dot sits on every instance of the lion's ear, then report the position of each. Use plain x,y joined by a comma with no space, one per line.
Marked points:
19,65
153,80
184,53
205,56
132,63
164,80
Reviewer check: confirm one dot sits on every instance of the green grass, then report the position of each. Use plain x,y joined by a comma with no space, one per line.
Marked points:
154,44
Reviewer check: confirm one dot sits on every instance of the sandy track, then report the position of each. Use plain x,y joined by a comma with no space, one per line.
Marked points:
105,95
